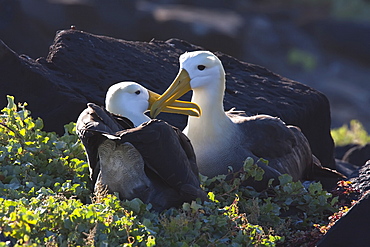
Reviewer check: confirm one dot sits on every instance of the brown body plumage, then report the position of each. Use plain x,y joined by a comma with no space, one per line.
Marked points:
153,161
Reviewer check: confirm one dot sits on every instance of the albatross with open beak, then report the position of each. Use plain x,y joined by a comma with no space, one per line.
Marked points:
222,139
136,156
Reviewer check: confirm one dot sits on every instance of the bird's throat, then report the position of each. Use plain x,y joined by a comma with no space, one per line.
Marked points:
213,121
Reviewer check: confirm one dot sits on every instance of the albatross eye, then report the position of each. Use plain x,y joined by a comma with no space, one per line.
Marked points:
201,67
137,92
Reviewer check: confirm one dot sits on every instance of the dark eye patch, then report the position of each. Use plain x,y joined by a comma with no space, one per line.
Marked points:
201,67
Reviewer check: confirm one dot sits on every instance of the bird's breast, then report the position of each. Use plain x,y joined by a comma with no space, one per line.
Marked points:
217,151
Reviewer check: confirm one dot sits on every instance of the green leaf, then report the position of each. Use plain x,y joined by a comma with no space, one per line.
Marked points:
315,188
30,218
11,104
150,241
46,200
134,204
285,179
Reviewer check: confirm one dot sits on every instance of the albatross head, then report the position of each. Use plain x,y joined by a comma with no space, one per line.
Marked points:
203,68
200,71
131,100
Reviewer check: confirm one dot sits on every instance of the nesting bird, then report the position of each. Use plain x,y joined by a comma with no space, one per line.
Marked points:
136,156
222,139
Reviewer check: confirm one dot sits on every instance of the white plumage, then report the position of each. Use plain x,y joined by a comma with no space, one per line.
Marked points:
221,139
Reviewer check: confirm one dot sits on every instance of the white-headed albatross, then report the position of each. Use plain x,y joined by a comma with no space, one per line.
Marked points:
222,139
136,156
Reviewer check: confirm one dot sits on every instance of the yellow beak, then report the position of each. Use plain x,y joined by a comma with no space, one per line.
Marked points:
168,100
174,106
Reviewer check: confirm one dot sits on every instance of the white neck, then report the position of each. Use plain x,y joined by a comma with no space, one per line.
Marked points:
137,119
213,121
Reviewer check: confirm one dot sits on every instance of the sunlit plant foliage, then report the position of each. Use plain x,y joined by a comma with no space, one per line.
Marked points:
354,133
45,200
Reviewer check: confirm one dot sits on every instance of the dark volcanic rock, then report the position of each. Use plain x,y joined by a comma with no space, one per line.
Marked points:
80,67
345,168
361,178
300,41
344,37
340,151
352,229
358,155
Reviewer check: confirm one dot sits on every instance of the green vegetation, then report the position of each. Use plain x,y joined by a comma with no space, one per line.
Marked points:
354,133
45,201
302,58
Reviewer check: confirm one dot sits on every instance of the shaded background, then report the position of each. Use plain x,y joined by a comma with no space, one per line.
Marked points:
322,43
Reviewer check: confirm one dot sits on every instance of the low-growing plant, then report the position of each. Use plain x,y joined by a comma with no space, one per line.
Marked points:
354,133
45,200
32,159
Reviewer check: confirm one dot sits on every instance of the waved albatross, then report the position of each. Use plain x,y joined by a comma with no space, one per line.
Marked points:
222,139
136,156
